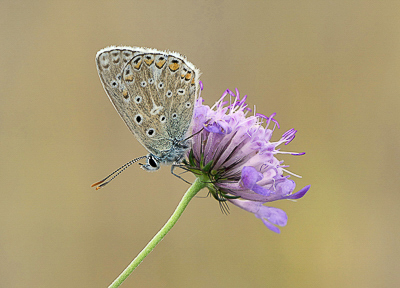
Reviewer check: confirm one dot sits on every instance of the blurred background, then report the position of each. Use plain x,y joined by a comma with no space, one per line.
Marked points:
329,69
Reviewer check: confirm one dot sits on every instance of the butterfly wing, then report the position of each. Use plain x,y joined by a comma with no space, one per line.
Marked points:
181,80
153,92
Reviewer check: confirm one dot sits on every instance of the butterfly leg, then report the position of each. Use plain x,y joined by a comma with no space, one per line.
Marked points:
176,175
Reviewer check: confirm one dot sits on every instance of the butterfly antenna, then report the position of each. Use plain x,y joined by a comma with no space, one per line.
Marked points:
193,135
102,183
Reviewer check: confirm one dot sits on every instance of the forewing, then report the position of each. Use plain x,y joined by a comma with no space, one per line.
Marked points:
153,92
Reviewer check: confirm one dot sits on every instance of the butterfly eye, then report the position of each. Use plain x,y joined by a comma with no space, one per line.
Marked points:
163,118
151,81
150,132
169,93
139,119
181,91
188,104
174,115
152,162
161,85
138,99
143,83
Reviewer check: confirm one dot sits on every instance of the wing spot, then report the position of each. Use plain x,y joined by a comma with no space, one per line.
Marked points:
149,59
125,94
127,55
188,104
156,109
174,116
181,91
143,84
137,62
150,132
161,85
188,76
128,73
174,66
115,56
183,73
169,94
138,99
160,61
151,81
163,119
139,119
104,61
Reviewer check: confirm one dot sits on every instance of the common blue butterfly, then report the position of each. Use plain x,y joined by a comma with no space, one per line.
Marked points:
154,92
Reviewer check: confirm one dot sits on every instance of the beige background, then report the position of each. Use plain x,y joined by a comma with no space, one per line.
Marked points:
330,69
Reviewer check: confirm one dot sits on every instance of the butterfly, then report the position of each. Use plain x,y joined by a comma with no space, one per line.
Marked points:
154,92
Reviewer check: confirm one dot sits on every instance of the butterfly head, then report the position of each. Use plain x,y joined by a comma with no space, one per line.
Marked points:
174,155
152,163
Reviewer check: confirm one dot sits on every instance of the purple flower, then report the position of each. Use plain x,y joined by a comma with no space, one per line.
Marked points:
232,148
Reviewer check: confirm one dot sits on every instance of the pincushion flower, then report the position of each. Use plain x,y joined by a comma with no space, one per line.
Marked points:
232,155
232,147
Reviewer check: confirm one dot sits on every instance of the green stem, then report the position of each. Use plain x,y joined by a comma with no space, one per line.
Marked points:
190,193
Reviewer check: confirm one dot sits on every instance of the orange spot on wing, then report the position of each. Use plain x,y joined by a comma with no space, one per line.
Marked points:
128,78
160,63
174,66
137,63
148,61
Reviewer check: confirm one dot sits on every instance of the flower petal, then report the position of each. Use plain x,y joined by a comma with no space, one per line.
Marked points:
250,176
299,194
269,215
274,215
261,190
285,187
249,206
270,226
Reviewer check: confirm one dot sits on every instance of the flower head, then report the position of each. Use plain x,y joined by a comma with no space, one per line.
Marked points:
232,147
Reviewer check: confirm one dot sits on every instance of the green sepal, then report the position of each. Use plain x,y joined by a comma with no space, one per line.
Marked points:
207,167
202,161
191,158
213,191
216,193
229,196
214,172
